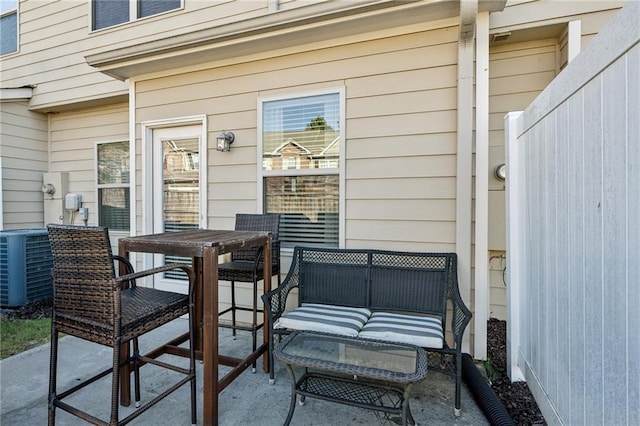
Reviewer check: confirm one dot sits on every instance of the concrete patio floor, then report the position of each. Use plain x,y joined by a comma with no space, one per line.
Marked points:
248,400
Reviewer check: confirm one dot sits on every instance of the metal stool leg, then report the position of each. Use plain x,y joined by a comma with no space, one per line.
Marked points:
233,308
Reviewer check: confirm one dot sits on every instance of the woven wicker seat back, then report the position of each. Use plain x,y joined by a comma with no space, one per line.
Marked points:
83,274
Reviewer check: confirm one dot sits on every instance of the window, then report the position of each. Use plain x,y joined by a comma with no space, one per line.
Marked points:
8,26
113,185
301,167
107,13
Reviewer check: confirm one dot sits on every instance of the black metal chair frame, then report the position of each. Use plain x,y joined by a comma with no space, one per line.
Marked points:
92,303
405,282
247,266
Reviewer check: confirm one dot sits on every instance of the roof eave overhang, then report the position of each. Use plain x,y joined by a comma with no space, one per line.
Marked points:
274,31
16,94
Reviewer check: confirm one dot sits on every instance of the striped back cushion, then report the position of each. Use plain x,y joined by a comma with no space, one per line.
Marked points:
425,332
343,320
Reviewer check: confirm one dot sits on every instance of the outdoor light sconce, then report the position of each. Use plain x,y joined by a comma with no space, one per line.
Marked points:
500,172
224,141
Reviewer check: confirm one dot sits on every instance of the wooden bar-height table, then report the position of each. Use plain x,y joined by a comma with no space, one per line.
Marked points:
204,246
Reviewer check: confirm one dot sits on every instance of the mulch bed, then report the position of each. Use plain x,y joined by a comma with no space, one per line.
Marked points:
35,310
516,397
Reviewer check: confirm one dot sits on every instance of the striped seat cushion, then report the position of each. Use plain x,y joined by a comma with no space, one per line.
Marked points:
425,332
343,320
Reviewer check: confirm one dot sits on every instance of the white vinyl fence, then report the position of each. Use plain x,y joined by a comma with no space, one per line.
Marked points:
573,206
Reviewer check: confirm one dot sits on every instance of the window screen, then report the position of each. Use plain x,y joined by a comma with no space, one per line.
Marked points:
107,13
153,7
8,26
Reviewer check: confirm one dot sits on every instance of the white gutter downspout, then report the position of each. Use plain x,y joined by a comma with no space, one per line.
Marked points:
468,13
273,5
481,293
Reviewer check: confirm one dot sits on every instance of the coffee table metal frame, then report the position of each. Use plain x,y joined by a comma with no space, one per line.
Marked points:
379,377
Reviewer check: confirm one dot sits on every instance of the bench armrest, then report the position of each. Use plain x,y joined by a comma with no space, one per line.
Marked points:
460,318
275,301
460,315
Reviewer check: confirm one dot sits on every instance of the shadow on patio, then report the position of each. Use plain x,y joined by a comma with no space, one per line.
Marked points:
248,400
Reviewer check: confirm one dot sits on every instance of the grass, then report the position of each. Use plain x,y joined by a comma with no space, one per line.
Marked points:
492,374
17,335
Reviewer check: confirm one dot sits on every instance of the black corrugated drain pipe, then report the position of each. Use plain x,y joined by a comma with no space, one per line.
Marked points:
484,396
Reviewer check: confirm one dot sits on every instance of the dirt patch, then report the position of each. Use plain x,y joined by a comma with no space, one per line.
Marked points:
516,397
35,310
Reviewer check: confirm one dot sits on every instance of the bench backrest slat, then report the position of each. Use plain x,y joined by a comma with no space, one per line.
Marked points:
413,282
331,275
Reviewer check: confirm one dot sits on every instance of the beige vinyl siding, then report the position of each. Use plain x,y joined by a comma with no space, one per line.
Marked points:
400,130
498,286
73,138
563,50
53,42
518,72
55,37
23,150
520,14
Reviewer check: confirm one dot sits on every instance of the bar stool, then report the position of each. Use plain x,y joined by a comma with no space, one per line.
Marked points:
92,303
247,266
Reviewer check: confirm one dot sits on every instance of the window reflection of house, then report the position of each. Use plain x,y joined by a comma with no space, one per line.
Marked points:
329,157
292,155
181,183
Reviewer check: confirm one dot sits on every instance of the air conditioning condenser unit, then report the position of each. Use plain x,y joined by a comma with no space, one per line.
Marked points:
25,267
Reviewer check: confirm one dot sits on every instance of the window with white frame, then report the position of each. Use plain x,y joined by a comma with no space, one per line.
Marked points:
300,166
8,26
113,185
107,13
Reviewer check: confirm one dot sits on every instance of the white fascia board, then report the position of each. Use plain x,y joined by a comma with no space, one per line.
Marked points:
15,94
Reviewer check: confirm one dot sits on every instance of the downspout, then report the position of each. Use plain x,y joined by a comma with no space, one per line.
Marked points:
133,171
273,6
468,13
481,282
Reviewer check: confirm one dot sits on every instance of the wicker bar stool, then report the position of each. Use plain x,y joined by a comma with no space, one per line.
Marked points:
92,303
247,266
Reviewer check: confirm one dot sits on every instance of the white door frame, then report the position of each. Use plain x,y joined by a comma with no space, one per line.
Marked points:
147,199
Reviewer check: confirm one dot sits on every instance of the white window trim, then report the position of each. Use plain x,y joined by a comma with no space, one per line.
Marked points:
106,186
261,174
147,128
574,39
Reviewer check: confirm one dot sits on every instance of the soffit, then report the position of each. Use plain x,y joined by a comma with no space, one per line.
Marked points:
275,31
527,34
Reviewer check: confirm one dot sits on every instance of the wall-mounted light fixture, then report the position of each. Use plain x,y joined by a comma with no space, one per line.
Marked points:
224,141
500,172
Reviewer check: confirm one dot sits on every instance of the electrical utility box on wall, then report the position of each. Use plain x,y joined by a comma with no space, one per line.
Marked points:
25,267
54,187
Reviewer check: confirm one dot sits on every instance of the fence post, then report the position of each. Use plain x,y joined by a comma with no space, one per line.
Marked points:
516,204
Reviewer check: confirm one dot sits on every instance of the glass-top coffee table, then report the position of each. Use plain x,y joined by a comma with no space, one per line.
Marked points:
359,372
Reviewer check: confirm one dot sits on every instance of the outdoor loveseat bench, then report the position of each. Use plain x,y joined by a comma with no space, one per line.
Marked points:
385,295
